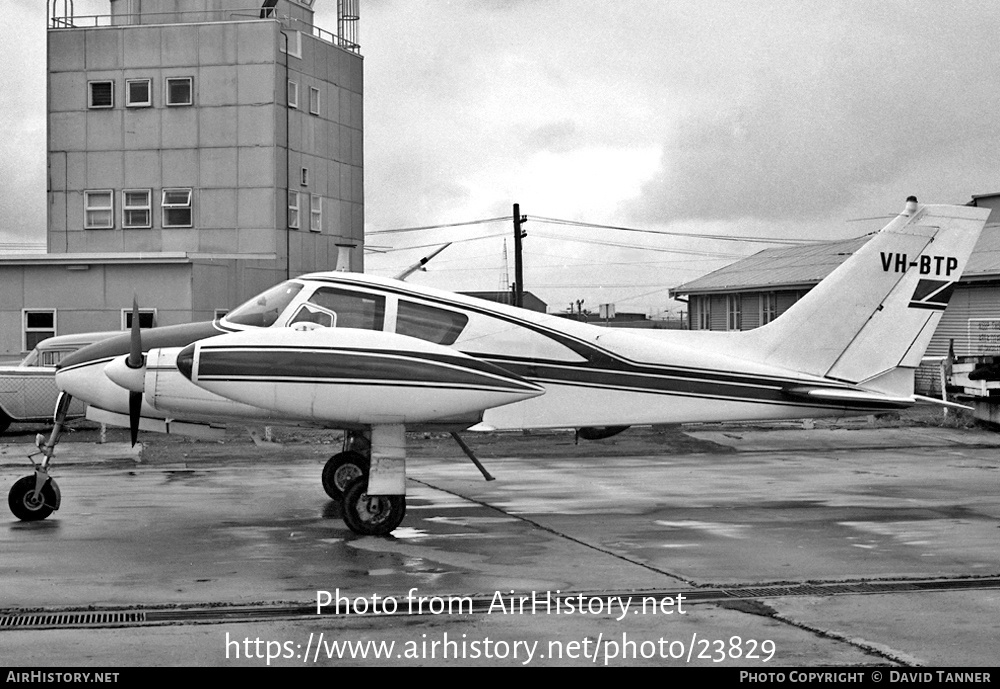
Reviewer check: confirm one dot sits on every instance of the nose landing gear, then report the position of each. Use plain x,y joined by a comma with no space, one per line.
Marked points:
35,497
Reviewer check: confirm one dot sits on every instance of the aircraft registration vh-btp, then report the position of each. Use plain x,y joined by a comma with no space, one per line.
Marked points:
376,357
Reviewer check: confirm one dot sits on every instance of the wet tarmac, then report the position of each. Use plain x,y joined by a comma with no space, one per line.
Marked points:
210,528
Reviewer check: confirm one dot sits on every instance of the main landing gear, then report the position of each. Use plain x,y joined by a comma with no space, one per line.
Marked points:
35,497
368,477
347,476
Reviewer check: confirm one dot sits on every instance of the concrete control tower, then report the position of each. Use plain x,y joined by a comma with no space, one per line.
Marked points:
199,151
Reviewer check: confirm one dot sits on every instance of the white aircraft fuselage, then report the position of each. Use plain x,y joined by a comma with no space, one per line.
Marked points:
421,363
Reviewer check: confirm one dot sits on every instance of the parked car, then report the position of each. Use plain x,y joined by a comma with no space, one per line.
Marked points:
28,390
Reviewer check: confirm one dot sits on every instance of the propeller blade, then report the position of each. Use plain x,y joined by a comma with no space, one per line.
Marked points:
134,413
135,352
135,361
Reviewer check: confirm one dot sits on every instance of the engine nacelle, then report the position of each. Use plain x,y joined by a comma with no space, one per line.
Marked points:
354,377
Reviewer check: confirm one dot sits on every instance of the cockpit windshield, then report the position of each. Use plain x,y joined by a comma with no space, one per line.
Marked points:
263,310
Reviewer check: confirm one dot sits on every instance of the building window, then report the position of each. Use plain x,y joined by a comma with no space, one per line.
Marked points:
703,313
293,94
39,324
179,90
314,100
768,307
293,209
98,210
100,94
176,205
147,318
138,93
316,213
137,208
291,43
735,319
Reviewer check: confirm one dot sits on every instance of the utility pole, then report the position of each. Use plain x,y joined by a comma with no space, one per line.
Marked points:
519,234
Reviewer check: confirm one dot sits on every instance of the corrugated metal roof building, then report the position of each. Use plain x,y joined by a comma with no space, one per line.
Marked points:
756,290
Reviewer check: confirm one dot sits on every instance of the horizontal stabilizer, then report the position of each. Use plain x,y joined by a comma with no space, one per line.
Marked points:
942,403
847,395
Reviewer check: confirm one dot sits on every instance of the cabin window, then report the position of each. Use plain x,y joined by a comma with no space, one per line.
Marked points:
343,309
429,323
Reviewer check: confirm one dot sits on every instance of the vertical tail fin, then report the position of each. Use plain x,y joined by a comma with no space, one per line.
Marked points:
878,310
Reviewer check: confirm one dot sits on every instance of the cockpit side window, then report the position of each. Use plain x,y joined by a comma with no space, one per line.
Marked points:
429,323
344,309
263,310
308,313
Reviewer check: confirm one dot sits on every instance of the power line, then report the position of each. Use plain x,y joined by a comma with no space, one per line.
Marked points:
438,227
622,245
453,241
719,237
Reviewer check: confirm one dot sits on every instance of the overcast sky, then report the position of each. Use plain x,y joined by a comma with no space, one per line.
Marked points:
773,119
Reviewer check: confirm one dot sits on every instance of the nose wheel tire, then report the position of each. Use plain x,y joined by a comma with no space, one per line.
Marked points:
340,470
23,503
371,515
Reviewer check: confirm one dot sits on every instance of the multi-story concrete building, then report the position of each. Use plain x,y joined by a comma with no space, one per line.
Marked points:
199,151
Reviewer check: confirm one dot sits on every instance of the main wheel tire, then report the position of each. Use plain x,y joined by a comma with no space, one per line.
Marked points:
24,507
5,421
371,515
340,470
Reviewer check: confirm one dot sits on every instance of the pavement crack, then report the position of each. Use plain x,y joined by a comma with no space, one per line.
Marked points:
760,608
554,532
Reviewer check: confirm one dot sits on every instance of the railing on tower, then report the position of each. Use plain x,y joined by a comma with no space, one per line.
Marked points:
347,20
64,20
346,36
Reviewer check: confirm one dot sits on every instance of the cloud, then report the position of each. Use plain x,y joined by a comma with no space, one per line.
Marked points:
830,106
556,137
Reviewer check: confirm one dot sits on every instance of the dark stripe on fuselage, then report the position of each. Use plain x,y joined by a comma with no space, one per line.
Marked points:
288,363
609,370
595,357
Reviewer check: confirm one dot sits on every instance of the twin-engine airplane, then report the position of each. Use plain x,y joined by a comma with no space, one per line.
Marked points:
378,357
